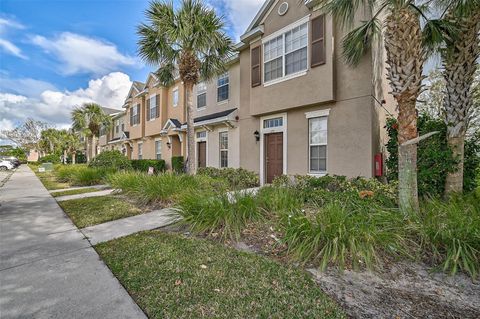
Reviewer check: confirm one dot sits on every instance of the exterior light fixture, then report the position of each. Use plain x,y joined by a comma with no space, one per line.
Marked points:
257,136
169,145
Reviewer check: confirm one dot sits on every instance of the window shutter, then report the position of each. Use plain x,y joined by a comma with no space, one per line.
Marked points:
318,41
256,61
131,116
148,109
138,114
157,103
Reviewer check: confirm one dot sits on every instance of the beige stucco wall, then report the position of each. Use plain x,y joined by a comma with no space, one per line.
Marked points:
213,146
233,95
154,126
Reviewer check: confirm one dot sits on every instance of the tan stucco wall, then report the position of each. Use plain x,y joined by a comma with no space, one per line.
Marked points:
136,131
153,127
213,146
233,95
176,112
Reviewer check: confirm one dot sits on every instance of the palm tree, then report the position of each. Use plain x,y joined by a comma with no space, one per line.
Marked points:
460,61
189,40
50,141
71,144
87,120
406,46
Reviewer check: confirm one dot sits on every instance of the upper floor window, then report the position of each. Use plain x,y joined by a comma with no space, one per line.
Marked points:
175,97
117,126
102,131
201,95
286,54
153,108
135,115
222,87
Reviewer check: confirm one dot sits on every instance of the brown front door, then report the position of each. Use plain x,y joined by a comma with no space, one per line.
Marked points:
202,154
273,156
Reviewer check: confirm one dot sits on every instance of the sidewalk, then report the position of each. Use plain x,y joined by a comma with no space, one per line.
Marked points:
47,267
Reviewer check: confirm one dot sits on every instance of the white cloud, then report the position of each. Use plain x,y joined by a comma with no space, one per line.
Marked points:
7,45
238,13
81,54
54,107
24,86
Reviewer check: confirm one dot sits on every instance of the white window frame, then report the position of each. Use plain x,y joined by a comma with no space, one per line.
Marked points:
311,115
154,96
277,129
223,149
175,92
282,33
117,126
202,89
158,140
135,116
140,150
227,75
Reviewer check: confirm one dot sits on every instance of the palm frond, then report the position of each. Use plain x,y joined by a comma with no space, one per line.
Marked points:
358,41
437,32
166,73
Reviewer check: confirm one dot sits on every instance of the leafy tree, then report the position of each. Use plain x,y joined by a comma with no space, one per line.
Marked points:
190,41
87,120
460,60
26,135
407,46
51,141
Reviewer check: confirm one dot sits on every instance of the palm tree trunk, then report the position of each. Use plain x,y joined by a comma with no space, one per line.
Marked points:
89,149
74,155
95,146
460,63
405,58
190,130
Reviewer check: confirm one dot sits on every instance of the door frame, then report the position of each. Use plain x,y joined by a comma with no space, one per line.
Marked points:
263,131
201,139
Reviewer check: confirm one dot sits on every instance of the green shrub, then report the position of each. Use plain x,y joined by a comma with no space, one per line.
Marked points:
161,188
177,164
52,158
339,234
274,199
451,232
143,165
111,160
81,175
221,213
237,178
435,159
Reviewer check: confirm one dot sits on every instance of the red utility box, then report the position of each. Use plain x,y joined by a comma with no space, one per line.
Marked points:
378,165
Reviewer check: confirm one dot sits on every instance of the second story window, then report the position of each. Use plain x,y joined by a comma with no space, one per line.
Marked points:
153,108
102,131
117,126
175,97
222,87
286,54
201,95
135,115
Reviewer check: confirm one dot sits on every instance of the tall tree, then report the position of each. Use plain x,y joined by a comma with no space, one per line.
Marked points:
406,46
50,141
190,40
87,120
460,60
26,135
71,144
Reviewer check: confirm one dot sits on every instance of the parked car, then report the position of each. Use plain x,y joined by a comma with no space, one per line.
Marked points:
12,159
6,165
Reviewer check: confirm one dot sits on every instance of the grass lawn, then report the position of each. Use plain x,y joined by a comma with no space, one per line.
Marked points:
50,182
97,210
75,191
171,276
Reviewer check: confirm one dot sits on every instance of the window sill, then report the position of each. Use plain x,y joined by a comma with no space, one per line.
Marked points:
317,174
201,109
285,78
222,102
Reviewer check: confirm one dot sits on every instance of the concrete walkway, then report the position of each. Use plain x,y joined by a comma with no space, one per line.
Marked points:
130,225
47,267
85,195
99,187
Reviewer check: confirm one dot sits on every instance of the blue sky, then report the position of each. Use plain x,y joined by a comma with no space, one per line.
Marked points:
56,54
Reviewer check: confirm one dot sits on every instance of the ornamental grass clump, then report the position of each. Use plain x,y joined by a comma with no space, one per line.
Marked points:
345,235
450,233
162,188
81,175
209,212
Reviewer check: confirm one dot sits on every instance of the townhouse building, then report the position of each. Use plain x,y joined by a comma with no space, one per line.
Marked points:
288,103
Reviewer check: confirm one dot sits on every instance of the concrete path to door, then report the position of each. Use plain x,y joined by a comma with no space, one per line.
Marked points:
47,267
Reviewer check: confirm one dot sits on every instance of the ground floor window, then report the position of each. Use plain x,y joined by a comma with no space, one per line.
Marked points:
317,131
140,151
223,138
158,149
